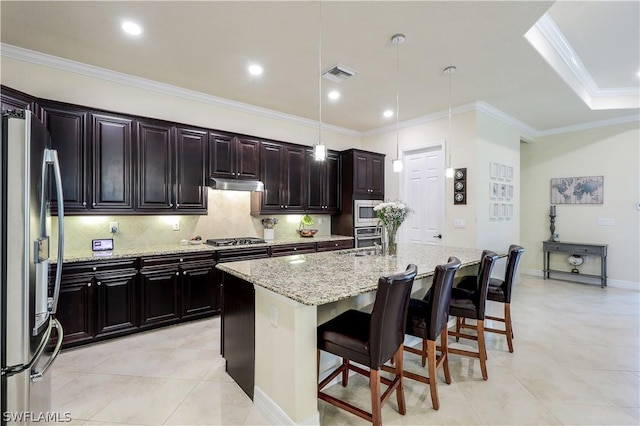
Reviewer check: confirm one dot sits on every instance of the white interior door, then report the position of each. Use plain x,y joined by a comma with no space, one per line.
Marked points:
423,191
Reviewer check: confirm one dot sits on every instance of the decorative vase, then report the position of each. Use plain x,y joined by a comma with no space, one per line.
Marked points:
392,246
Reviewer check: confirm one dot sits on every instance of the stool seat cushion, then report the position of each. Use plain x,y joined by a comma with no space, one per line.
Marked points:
347,335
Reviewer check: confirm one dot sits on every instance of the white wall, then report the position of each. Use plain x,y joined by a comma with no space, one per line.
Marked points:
497,142
612,152
462,143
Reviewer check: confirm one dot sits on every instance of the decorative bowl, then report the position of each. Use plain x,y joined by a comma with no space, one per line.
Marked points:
307,232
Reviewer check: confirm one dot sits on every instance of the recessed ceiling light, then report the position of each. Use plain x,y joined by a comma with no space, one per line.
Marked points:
132,28
333,95
255,69
388,113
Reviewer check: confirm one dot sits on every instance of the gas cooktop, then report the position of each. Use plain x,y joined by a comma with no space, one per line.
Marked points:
219,242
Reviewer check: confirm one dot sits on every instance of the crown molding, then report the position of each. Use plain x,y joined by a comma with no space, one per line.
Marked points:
591,125
51,61
552,45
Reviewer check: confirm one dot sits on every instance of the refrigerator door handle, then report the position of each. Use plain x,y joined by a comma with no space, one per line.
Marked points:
36,375
16,369
52,157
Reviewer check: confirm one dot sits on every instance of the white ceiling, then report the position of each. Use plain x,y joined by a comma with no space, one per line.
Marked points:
207,46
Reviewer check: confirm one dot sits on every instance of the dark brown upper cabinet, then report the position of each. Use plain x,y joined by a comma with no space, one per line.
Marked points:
155,166
111,144
11,99
171,168
69,132
233,157
323,184
367,174
283,172
191,163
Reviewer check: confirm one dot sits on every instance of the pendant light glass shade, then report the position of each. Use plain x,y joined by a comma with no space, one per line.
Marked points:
319,152
449,172
397,39
319,149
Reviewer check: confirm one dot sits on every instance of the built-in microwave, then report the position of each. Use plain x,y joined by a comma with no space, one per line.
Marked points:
363,214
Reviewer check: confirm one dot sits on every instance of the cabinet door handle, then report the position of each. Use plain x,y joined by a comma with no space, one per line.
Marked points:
84,204
93,204
177,273
177,205
94,268
99,282
281,206
88,284
184,272
181,260
295,248
170,204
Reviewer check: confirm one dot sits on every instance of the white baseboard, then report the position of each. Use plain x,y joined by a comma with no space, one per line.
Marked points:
274,414
627,285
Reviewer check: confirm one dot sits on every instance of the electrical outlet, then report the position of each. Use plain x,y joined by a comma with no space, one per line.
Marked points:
176,225
113,227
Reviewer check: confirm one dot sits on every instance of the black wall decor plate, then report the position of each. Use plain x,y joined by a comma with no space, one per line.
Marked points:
460,186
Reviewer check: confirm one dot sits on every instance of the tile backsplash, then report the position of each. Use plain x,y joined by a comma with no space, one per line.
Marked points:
228,216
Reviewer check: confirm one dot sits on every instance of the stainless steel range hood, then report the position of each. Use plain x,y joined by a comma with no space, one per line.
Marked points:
236,184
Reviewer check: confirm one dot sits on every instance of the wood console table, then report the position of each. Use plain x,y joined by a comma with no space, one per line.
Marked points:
581,249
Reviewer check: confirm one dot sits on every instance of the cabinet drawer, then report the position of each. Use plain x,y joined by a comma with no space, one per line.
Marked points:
334,245
557,247
287,249
151,261
97,266
598,251
231,255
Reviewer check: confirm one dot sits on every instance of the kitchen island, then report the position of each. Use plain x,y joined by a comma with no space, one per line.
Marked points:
271,308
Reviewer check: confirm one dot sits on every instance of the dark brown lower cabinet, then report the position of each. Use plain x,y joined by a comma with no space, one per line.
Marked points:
200,294
238,330
76,310
115,301
159,296
95,306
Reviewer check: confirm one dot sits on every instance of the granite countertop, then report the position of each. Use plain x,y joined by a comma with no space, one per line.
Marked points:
319,278
88,255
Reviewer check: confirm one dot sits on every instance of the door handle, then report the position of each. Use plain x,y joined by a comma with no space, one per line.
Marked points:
438,236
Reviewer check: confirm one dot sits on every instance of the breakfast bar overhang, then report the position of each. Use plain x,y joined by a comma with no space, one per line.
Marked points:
271,308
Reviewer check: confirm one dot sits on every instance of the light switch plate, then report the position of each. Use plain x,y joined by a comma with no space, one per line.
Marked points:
176,225
458,223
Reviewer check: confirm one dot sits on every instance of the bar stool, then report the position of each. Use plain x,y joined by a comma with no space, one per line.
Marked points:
370,340
500,291
427,319
472,304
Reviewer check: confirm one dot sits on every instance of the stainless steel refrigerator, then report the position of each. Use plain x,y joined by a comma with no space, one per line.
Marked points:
30,335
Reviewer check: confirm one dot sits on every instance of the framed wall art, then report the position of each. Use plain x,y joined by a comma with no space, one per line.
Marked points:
577,190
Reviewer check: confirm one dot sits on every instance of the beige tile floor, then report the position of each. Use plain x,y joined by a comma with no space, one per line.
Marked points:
576,361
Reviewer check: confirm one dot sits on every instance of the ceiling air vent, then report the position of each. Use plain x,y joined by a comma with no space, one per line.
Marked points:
338,73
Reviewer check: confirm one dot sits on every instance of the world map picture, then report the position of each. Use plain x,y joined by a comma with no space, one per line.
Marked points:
577,190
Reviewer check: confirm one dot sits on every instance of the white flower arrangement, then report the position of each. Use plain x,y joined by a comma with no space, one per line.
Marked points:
392,213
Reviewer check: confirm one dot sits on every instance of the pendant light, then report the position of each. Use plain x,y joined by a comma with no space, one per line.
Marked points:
397,39
319,149
449,170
